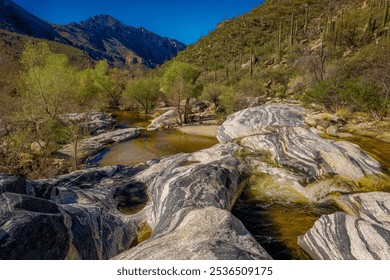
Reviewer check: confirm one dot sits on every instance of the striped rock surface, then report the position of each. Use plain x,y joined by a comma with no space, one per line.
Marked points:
73,216
280,129
89,147
363,234
191,195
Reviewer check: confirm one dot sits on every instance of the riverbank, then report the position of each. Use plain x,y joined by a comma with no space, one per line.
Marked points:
200,130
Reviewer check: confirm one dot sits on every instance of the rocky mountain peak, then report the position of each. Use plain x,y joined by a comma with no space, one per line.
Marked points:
101,37
103,20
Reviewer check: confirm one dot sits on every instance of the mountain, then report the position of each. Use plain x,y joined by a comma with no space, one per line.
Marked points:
104,37
16,19
101,37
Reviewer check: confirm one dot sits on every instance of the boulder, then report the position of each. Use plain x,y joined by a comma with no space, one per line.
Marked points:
37,147
167,119
95,123
260,120
362,232
73,216
89,147
280,130
192,196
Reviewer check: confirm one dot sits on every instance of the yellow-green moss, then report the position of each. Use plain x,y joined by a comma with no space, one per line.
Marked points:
144,232
259,155
270,188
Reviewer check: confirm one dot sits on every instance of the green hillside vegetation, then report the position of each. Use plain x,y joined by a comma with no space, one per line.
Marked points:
330,52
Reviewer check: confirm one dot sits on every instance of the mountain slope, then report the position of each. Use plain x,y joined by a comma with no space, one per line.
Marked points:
15,19
104,37
335,53
101,37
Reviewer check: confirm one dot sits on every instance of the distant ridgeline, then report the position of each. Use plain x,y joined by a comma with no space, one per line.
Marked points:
101,37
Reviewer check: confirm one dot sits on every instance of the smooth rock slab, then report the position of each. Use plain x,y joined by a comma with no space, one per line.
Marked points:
363,234
95,123
280,130
203,234
306,152
92,146
260,120
191,195
74,216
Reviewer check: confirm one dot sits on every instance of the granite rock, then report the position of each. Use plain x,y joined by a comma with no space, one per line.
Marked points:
362,232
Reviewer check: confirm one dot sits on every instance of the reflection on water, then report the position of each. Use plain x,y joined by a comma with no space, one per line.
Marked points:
150,144
277,226
378,149
131,119
155,144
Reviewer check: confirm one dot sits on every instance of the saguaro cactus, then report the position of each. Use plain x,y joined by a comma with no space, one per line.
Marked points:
385,13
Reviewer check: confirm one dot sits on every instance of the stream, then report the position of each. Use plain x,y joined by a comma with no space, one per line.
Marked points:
274,224
150,144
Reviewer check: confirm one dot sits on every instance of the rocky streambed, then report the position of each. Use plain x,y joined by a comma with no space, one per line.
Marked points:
180,206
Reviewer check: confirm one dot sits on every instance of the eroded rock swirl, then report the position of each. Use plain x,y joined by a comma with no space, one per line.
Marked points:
363,234
70,217
192,196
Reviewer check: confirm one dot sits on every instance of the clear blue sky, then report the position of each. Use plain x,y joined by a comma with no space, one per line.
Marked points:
184,20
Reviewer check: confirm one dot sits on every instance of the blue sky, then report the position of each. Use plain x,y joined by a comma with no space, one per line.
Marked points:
184,20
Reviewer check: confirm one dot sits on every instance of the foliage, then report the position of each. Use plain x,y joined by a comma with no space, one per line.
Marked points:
107,84
145,91
47,83
212,92
178,82
229,100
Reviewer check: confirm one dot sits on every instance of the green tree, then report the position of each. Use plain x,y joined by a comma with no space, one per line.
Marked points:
145,91
47,83
229,100
178,82
108,83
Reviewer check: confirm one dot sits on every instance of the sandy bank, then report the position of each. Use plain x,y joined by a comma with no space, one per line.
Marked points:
200,130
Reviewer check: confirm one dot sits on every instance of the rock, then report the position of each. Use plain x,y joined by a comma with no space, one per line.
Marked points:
203,234
186,199
95,123
259,120
192,196
70,217
344,135
311,122
363,233
12,184
167,119
332,131
37,147
279,129
197,106
89,147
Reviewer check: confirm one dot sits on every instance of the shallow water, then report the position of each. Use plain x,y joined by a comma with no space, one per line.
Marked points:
276,225
155,144
377,149
150,144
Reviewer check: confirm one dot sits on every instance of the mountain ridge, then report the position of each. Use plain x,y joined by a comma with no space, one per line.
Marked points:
100,36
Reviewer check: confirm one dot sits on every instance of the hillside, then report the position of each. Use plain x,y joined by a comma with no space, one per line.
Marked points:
16,19
101,37
329,52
